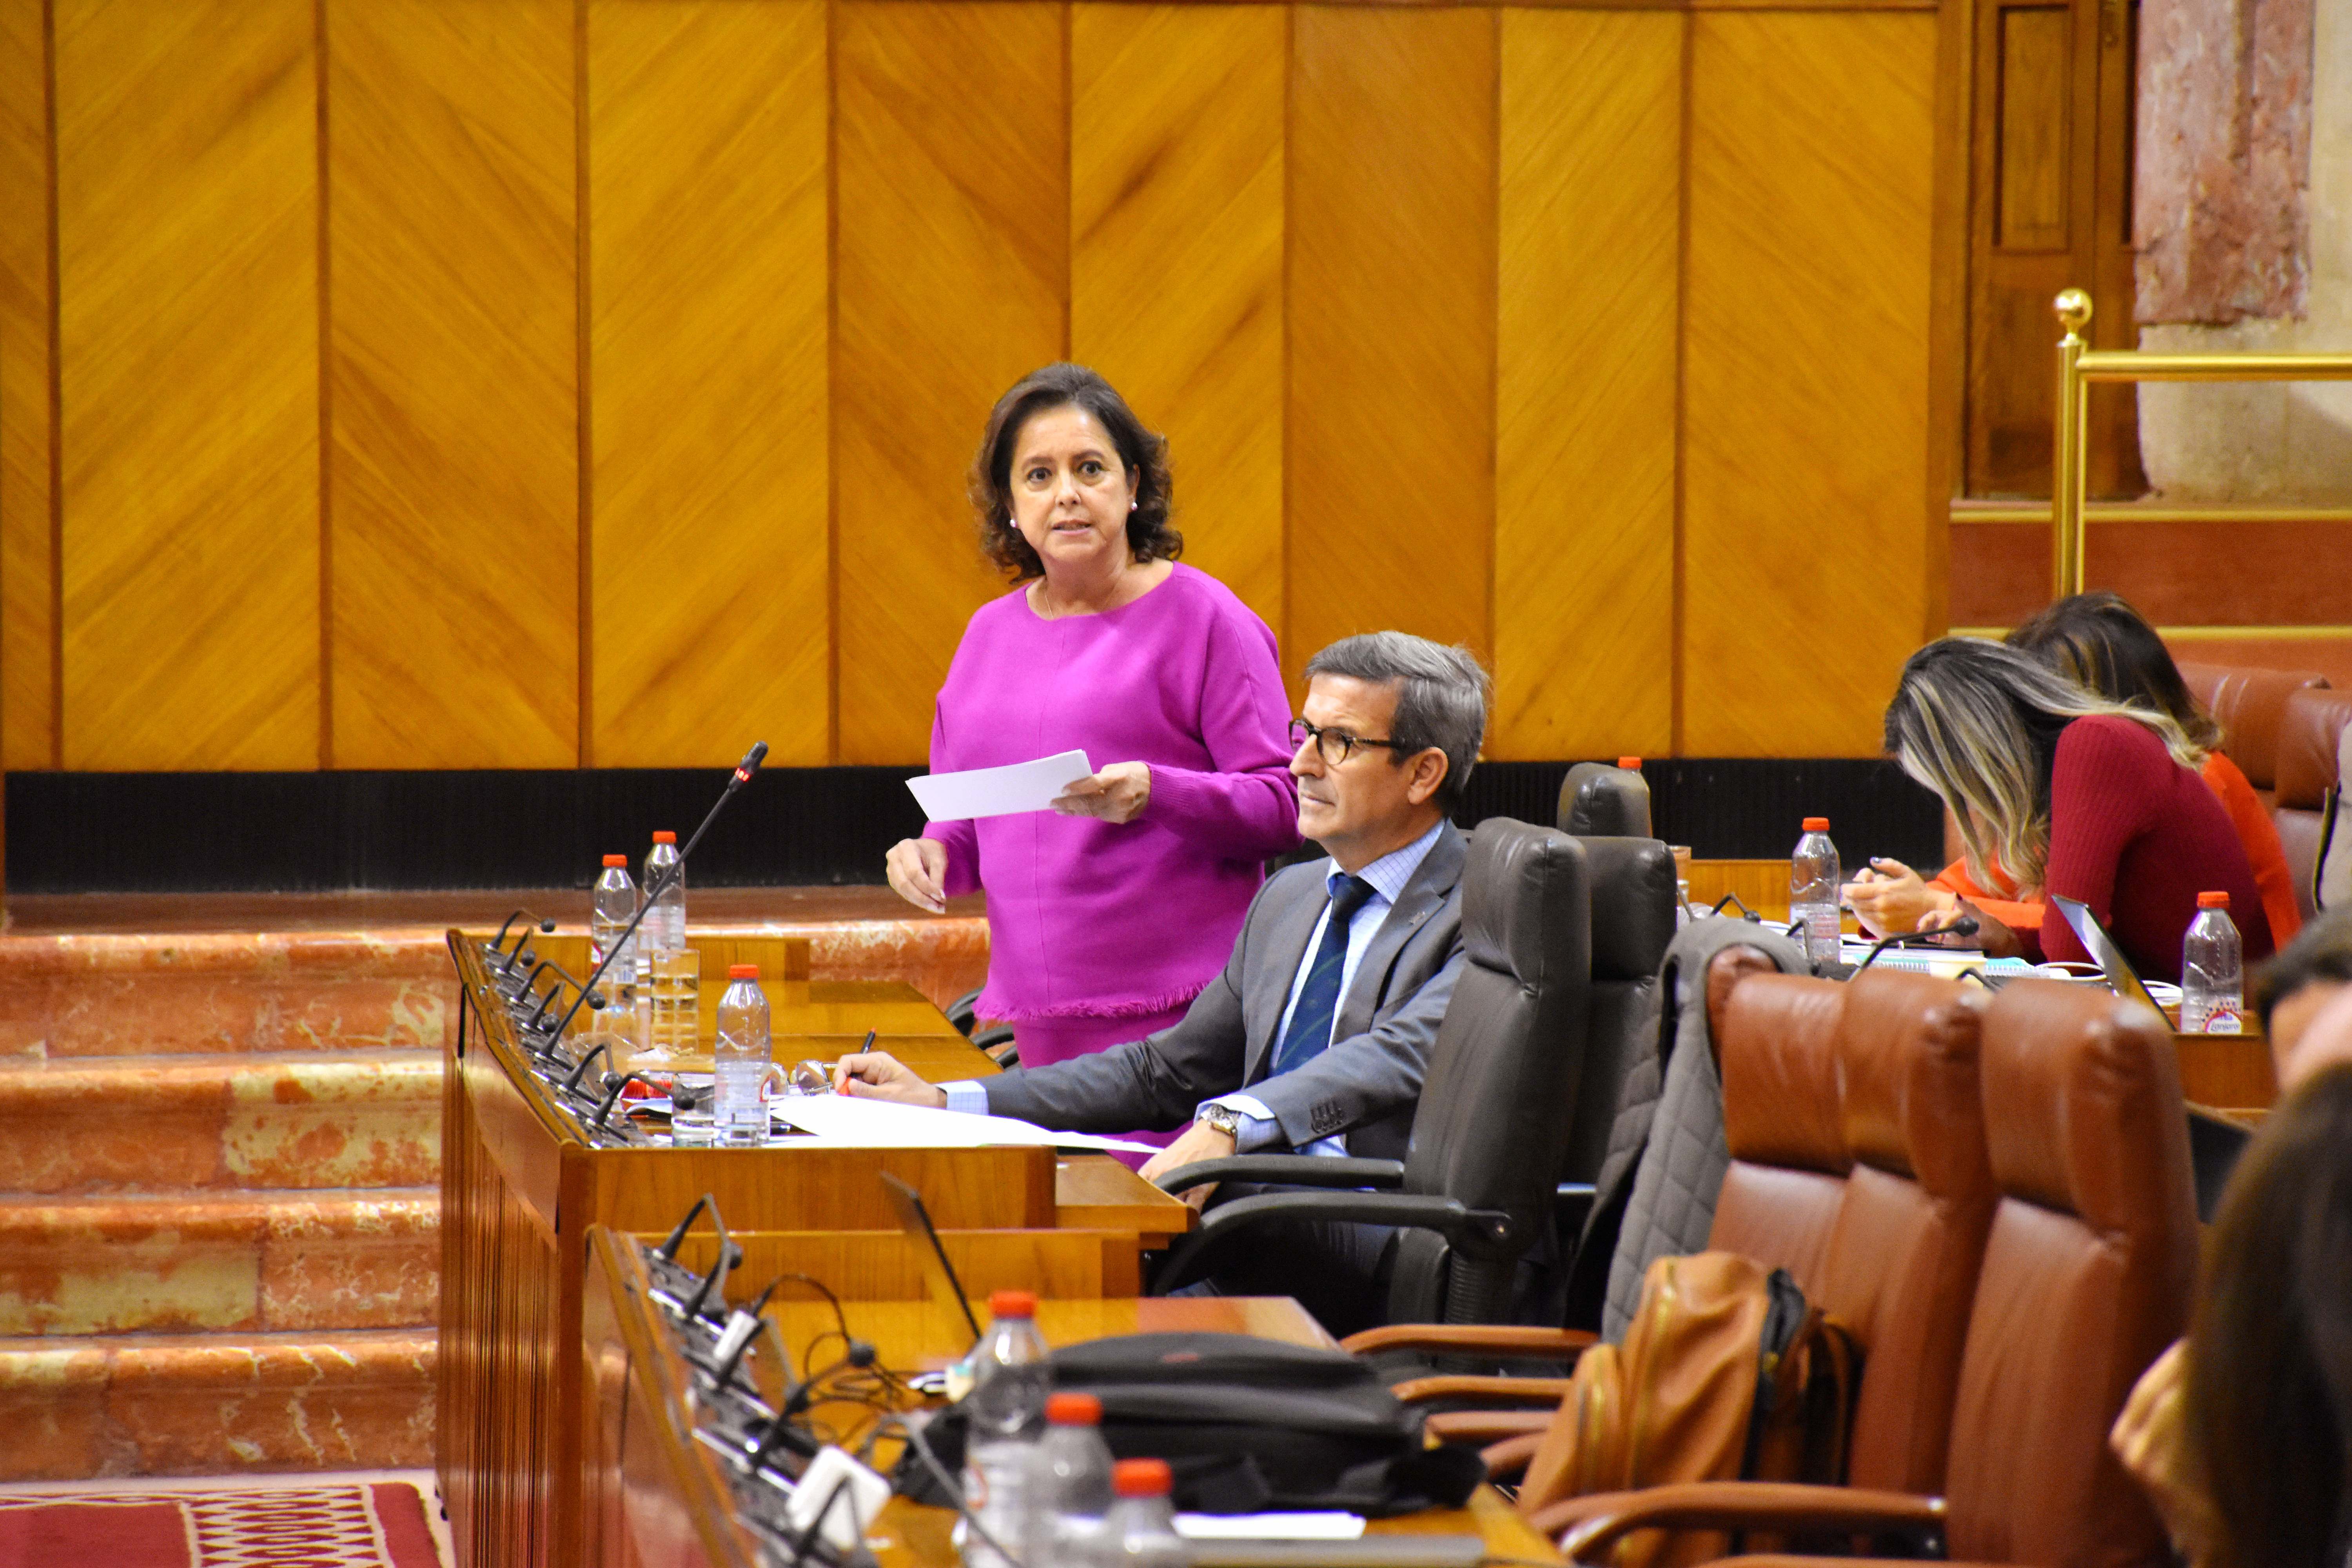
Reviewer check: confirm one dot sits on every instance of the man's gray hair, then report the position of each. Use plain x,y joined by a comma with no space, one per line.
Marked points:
1441,697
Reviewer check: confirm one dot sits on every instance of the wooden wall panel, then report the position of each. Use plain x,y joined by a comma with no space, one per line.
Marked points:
1806,349
707,283
952,266
454,388
188,265
28,564
1176,176
1390,473
1584,470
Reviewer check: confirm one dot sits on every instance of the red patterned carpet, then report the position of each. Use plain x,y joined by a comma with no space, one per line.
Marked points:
279,1521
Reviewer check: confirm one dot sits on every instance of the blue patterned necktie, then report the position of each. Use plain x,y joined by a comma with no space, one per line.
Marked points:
1319,999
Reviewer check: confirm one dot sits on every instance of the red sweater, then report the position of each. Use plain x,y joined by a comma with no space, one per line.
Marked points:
2138,836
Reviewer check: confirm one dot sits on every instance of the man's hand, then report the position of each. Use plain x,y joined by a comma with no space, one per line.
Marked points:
878,1074
917,870
1997,940
1118,794
1889,898
1200,1141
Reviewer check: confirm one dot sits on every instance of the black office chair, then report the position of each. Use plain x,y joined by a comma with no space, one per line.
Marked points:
1634,904
1599,801
1475,1190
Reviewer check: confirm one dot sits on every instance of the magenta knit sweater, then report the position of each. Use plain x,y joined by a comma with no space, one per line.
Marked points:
1086,917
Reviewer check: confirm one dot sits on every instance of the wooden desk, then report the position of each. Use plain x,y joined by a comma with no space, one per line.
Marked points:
657,1499
521,1182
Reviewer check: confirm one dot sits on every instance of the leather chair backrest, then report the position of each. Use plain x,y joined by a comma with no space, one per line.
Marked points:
2310,738
2249,705
1777,1040
1503,1077
1633,901
1858,1164
1901,1271
1598,801
2087,1276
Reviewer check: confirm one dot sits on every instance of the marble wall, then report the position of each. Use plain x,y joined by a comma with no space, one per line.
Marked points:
2240,249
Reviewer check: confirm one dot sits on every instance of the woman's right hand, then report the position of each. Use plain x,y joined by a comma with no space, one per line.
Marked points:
919,873
1889,898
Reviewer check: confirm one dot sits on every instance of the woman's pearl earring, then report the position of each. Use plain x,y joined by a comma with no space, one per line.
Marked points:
1133,504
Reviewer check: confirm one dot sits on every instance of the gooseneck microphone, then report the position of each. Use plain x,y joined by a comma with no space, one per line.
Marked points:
1965,926
654,890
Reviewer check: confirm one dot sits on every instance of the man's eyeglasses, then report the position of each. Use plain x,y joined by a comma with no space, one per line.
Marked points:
1333,745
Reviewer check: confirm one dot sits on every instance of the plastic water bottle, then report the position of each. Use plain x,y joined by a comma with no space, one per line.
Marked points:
1139,1532
1006,1408
667,922
614,905
665,1000
742,1057
1814,881
1069,1483
2213,996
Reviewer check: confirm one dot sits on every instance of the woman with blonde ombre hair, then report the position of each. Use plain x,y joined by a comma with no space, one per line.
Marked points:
2069,793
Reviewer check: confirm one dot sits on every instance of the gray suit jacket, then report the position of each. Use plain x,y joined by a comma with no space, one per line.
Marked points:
1365,1086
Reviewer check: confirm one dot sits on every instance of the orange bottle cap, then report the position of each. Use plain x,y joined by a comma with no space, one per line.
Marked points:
1143,1477
743,972
2212,900
610,860
1817,824
1633,764
1013,1304
665,837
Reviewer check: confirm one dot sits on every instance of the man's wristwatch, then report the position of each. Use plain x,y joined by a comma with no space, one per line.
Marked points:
1223,1119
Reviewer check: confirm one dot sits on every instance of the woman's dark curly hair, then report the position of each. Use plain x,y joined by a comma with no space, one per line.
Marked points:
1143,455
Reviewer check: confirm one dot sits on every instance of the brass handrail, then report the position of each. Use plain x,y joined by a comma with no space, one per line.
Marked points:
2078,365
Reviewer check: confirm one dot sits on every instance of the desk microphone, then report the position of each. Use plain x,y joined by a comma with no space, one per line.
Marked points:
1965,926
656,889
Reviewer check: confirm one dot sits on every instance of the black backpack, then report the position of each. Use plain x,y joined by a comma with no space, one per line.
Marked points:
1248,1424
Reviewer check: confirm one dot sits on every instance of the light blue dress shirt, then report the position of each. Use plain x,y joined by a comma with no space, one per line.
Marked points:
1258,1131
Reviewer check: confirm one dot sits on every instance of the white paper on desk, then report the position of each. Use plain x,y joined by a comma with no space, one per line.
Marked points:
999,792
886,1124
1269,1526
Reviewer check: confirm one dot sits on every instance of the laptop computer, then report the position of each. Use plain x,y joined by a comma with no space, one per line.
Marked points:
938,1272
2120,976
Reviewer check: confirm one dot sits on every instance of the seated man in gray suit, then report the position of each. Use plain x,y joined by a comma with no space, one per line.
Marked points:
1316,1036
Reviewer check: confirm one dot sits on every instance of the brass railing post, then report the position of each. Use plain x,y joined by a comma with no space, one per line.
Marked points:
2066,485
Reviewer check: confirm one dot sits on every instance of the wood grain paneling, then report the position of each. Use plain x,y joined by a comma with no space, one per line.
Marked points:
2036,106
1390,473
1584,470
1176,174
707,282
27,565
188,266
1806,349
454,384
952,274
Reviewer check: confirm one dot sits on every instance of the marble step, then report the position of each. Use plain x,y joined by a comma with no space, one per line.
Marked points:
125,994
131,993
181,1405
205,1261
354,1119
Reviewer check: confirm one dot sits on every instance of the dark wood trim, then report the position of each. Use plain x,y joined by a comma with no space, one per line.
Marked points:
585,326
1948,300
1677,657
57,401
326,406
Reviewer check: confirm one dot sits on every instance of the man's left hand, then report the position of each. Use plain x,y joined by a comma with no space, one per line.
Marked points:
1200,1141
1118,794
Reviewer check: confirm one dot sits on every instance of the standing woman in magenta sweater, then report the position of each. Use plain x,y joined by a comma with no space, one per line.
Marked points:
2072,794
1107,915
